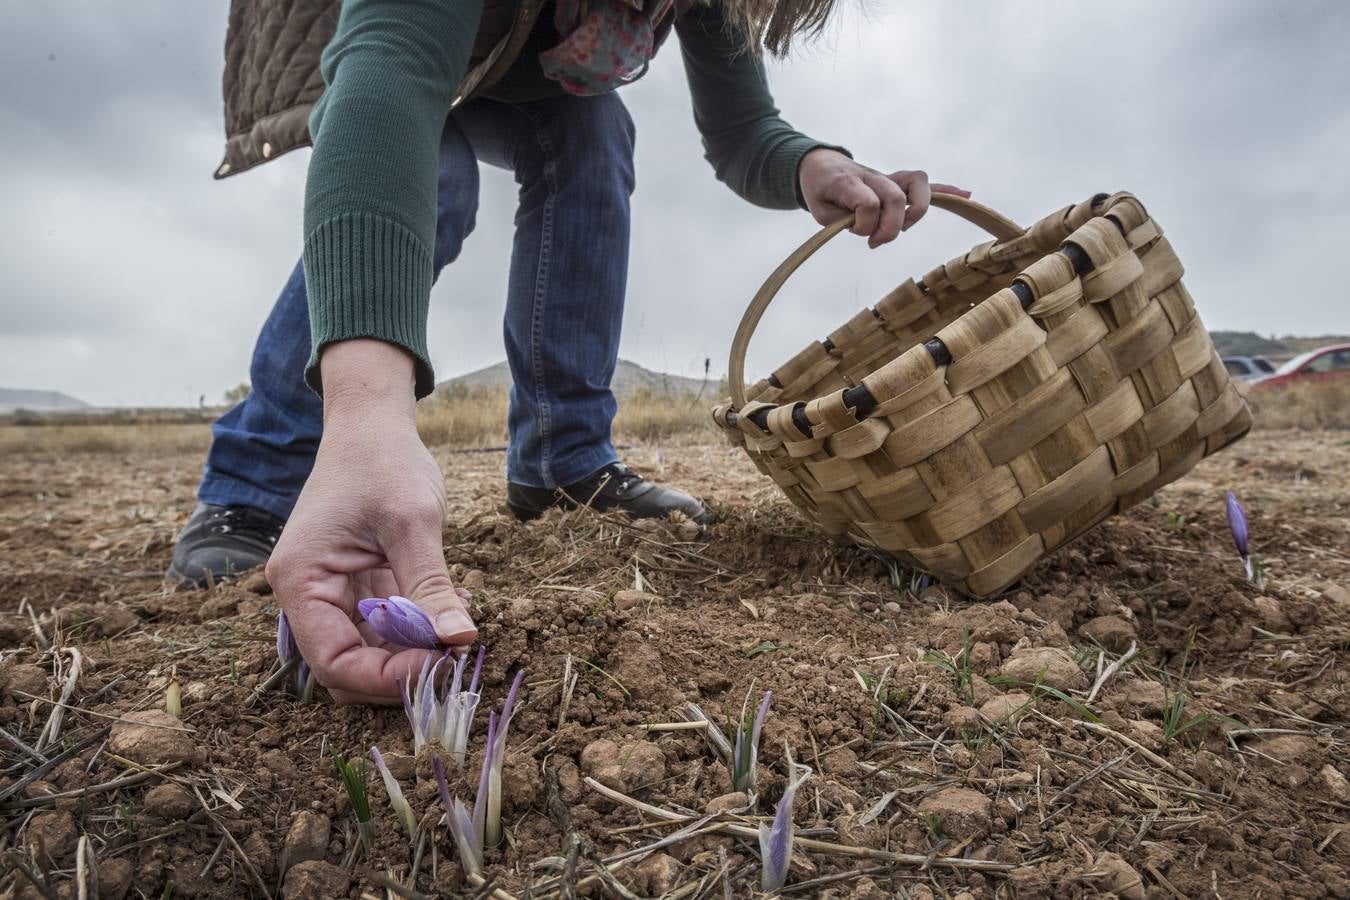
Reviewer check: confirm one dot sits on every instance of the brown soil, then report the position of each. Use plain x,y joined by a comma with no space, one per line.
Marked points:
946,719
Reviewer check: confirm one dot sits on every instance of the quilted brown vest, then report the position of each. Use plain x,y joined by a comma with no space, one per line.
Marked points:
272,77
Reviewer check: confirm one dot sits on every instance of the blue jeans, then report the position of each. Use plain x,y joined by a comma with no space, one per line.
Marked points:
573,160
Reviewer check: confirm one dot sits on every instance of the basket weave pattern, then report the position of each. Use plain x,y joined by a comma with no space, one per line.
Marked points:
1073,379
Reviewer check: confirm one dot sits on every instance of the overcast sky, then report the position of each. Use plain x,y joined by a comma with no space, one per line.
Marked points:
128,276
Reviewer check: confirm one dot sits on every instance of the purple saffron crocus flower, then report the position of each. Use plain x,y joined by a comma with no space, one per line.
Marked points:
745,753
288,650
468,837
400,621
775,842
1237,524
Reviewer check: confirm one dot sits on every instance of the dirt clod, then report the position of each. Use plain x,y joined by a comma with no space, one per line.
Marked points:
655,875
1335,783
313,879
623,767
307,838
22,681
114,878
736,800
1121,877
169,802
629,599
1002,708
1050,666
962,813
54,833
152,737
1114,633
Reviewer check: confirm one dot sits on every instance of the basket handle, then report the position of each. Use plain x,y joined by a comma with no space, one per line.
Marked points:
1002,228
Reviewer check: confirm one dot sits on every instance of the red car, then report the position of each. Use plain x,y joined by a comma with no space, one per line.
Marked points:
1316,366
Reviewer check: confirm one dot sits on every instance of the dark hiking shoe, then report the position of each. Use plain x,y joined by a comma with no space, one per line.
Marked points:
615,487
223,542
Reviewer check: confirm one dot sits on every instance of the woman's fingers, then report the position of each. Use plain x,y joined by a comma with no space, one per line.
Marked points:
893,199
915,185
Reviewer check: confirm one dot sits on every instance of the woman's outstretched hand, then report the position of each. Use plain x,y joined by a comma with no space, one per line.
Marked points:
367,524
834,186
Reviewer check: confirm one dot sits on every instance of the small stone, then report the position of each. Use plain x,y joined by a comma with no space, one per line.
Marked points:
623,768
1272,615
840,762
169,802
196,691
962,720
1050,666
23,680
736,800
891,607
963,813
56,833
655,875
1147,733
867,889
630,599
1336,594
218,605
256,582
1285,748
152,737
642,764
1121,877
258,851
983,656
114,878
1003,708
313,879
307,838
689,530
473,580
1112,632
1147,697
1335,783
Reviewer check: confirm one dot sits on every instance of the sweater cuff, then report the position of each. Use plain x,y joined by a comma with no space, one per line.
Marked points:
786,161
368,277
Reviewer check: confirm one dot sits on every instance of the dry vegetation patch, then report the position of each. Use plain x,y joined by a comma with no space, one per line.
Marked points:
1134,718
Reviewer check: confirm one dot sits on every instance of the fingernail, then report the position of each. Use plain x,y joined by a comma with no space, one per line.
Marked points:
455,623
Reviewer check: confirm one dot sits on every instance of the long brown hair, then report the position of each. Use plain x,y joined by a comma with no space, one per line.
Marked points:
772,24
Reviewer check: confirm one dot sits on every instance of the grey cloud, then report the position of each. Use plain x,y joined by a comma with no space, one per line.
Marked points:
129,275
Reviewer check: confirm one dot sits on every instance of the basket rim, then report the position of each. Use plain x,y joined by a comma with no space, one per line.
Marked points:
858,401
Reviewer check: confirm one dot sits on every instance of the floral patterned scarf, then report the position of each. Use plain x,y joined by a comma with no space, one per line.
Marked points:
606,43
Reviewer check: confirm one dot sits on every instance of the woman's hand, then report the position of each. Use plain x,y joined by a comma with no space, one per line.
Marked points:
834,186
367,524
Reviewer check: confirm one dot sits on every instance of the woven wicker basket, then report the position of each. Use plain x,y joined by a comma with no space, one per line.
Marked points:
981,417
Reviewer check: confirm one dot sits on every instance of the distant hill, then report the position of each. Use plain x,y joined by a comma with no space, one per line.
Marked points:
1249,343
14,399
629,378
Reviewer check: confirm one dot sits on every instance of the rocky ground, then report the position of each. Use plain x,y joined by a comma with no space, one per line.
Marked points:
1134,718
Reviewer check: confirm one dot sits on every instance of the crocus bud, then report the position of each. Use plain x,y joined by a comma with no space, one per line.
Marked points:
400,621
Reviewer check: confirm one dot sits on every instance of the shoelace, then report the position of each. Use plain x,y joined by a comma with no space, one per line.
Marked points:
246,522
624,476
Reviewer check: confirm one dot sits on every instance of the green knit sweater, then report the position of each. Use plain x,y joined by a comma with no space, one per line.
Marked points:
370,200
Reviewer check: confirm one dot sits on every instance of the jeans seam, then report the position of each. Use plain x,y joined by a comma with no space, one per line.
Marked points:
540,298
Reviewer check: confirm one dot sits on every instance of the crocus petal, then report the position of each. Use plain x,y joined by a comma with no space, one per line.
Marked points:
286,647
477,671
1237,523
480,801
400,621
775,843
